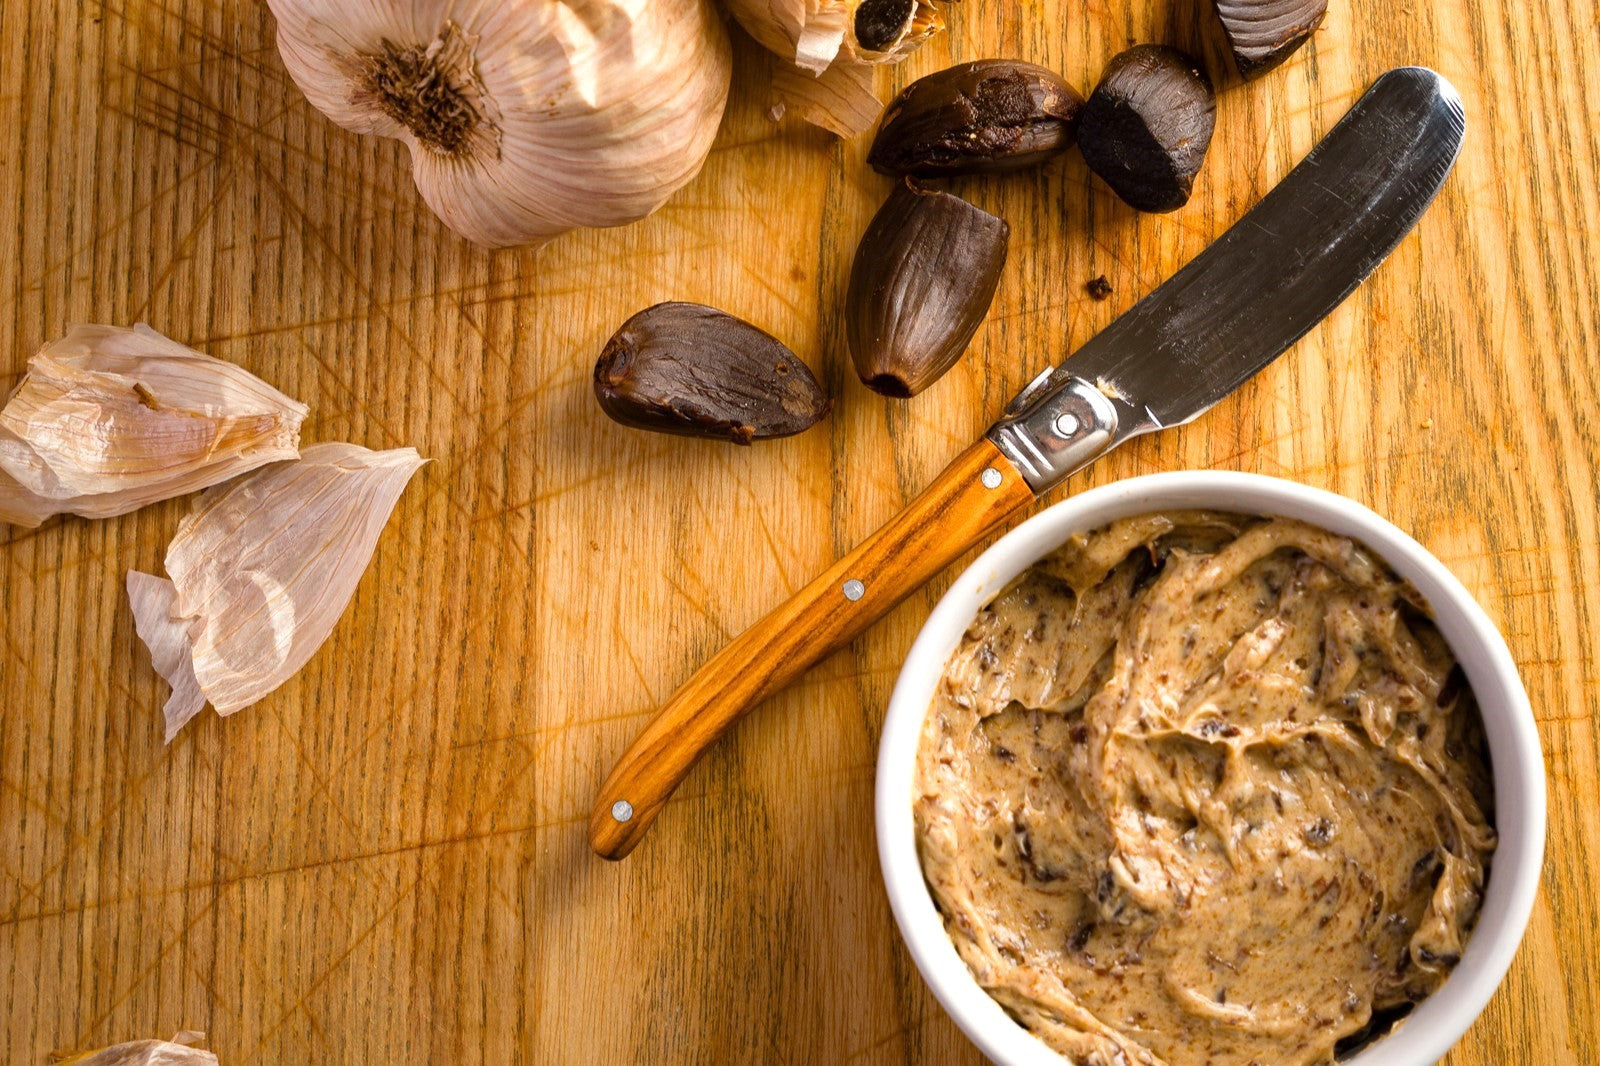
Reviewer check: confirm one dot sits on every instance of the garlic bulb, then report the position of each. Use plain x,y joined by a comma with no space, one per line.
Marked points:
109,419
838,43
260,572
181,1050
525,118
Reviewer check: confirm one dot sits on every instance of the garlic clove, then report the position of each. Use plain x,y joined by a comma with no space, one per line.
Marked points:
992,114
526,118
694,371
886,31
109,419
260,572
924,276
1263,33
1146,127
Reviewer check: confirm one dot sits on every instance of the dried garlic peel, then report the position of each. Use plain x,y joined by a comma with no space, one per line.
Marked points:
832,48
179,1051
813,33
261,571
841,99
525,118
109,419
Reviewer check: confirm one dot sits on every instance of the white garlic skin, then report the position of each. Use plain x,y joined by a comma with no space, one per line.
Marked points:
556,114
109,419
261,571
814,33
826,78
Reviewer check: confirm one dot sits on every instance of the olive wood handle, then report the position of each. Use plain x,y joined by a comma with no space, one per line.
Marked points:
973,494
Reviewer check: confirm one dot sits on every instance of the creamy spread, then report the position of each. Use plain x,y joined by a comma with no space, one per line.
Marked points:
1205,788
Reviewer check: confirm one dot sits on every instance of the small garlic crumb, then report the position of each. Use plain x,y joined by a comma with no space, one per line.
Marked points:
1427,423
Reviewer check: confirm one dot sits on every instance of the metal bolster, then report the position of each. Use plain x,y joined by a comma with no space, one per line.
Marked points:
1055,427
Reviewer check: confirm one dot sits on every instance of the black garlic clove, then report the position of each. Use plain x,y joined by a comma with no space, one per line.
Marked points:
995,114
694,371
880,25
1263,33
1147,125
923,278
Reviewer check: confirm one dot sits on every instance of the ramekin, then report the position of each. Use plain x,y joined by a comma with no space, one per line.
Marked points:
1518,765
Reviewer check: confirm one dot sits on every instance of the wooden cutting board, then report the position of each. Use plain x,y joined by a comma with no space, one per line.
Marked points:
385,861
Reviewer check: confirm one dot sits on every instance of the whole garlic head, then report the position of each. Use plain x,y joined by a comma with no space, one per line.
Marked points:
525,118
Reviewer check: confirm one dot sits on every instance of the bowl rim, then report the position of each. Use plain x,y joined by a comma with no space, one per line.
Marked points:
1513,739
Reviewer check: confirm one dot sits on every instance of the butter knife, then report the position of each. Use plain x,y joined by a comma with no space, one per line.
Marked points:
1233,309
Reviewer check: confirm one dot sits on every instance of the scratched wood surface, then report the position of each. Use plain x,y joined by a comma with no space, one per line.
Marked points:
386,860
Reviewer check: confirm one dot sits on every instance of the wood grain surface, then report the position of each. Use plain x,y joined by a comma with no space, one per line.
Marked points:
386,860
954,512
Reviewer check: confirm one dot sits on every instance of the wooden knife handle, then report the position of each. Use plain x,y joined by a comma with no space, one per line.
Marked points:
971,497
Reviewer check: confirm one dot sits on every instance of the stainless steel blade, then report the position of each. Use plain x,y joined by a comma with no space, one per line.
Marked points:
1260,287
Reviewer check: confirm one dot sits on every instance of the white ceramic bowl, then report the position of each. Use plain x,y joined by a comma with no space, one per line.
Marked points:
1519,784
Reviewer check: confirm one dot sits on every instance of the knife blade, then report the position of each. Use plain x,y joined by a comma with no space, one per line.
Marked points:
1231,311
1253,292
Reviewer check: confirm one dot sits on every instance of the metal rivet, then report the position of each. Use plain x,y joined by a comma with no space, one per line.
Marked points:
622,810
1067,423
854,590
991,478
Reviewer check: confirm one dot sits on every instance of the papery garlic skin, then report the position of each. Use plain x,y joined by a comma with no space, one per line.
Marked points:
181,1050
109,419
823,39
153,599
261,571
813,33
841,99
525,118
